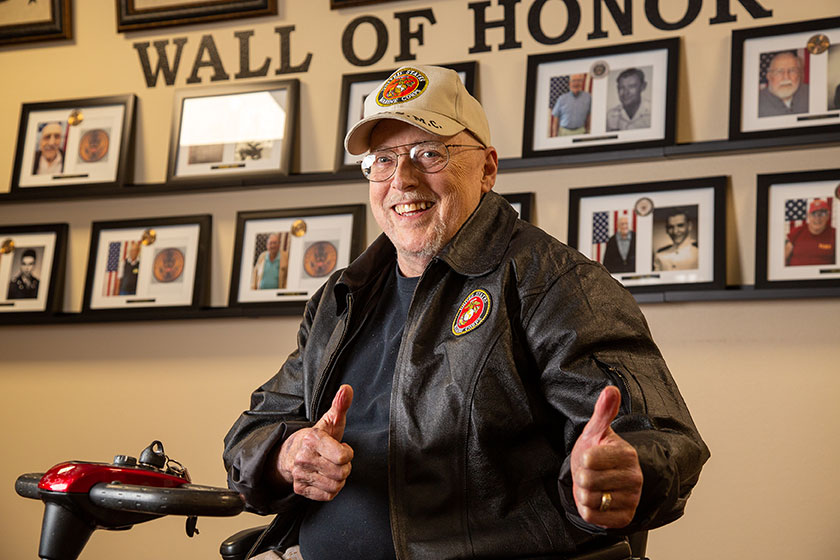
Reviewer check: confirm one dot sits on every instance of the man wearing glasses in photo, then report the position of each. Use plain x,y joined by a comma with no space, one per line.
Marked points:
785,93
812,242
469,386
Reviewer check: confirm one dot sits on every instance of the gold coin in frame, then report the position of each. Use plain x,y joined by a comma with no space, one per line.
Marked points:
168,265
599,69
320,259
93,145
298,228
644,206
836,192
7,246
818,44
75,118
148,237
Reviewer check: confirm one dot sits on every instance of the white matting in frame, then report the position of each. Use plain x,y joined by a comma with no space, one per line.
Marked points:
159,274
789,206
39,249
654,262
306,259
813,101
89,151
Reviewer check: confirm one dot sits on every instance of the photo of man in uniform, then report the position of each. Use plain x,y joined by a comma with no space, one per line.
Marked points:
24,284
49,157
633,110
682,253
784,93
571,111
812,242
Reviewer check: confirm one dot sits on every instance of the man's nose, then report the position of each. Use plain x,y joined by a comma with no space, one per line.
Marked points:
404,174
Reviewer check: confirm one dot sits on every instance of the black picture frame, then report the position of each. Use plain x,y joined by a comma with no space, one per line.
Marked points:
313,243
59,25
353,90
606,126
131,18
48,242
172,273
784,203
523,203
238,155
698,262
96,145
755,111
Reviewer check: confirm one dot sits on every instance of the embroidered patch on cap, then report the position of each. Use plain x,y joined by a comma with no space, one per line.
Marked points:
472,312
403,85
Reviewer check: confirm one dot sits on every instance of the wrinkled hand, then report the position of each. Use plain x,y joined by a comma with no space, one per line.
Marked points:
604,462
313,460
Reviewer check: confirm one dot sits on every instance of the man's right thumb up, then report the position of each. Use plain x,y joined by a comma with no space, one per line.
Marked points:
334,420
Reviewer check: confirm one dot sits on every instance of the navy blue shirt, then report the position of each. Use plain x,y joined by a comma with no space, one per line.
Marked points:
357,523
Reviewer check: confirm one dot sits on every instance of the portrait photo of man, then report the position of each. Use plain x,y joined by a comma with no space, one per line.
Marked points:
570,112
49,155
24,283
620,254
633,110
782,89
679,225
813,242
833,77
272,264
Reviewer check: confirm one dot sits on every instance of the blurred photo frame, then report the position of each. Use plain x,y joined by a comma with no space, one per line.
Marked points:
253,140
146,14
654,237
355,89
26,21
797,230
76,146
282,257
145,265
785,80
610,98
523,203
32,260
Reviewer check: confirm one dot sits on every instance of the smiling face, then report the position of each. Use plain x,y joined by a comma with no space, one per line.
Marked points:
677,227
420,212
50,140
273,245
817,221
630,89
784,75
576,82
623,226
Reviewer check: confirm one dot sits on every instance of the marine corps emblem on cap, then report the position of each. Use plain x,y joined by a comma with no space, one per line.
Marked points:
472,313
404,85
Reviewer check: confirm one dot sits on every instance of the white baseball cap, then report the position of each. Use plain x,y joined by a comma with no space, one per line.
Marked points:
429,97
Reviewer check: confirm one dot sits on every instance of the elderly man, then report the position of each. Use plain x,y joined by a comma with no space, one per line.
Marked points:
620,253
633,111
682,254
812,242
571,110
785,93
49,158
271,267
469,386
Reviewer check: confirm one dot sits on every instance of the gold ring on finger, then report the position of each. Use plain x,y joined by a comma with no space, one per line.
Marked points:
606,501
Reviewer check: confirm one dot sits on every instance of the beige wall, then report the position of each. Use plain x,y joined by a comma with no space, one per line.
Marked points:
760,376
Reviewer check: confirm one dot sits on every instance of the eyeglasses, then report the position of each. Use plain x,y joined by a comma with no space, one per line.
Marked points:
789,72
429,157
820,213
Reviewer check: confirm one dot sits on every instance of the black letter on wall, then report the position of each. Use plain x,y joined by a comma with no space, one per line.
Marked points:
482,25
755,9
169,71
655,18
245,57
406,35
286,67
623,19
215,62
572,23
381,41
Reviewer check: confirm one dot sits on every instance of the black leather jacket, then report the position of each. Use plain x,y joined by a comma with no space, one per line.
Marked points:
483,423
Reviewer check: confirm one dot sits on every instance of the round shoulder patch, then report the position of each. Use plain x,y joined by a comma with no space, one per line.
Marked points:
403,85
473,311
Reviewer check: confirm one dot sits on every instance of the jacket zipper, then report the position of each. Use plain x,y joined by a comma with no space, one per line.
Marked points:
322,380
614,373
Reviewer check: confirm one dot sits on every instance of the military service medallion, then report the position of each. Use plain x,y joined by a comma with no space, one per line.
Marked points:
472,312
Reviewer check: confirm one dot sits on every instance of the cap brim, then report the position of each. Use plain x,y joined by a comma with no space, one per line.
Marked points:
357,140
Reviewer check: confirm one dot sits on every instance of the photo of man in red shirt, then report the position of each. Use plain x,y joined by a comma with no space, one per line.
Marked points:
812,242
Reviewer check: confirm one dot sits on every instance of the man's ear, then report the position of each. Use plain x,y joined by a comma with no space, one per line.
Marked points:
491,167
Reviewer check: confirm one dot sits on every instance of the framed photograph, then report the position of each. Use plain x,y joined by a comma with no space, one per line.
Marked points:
654,237
281,257
355,89
254,139
144,14
26,21
522,203
78,145
608,98
148,263
785,80
797,230
32,261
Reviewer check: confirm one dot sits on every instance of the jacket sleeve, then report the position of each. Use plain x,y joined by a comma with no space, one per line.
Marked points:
586,331
278,409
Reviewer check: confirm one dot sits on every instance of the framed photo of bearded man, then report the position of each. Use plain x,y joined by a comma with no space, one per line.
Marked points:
785,80
797,242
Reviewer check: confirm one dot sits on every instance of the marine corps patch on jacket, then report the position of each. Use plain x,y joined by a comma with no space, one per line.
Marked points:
403,85
472,312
